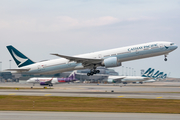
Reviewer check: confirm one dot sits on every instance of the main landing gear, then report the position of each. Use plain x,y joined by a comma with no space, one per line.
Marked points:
165,59
33,85
93,71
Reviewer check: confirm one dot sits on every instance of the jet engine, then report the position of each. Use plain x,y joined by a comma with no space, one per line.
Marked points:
111,62
43,83
110,81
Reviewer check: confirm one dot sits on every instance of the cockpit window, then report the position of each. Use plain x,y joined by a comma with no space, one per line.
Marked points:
172,44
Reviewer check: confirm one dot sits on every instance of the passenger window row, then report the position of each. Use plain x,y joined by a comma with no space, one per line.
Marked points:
130,51
116,54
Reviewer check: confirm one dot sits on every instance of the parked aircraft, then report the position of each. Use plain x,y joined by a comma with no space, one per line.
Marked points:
51,81
130,79
146,77
159,77
106,58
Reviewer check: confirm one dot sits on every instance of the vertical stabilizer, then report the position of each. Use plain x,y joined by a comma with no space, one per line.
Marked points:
151,73
155,74
146,73
73,75
20,59
159,75
164,76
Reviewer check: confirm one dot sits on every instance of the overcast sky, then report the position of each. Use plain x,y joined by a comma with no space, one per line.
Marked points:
70,27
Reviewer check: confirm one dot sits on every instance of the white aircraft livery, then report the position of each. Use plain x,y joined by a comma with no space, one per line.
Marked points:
147,76
51,81
106,58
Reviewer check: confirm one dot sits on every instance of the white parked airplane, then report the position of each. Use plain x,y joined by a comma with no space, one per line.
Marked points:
131,79
107,58
146,77
159,77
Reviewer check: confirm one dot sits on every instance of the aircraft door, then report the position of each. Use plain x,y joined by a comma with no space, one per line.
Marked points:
161,46
100,56
41,67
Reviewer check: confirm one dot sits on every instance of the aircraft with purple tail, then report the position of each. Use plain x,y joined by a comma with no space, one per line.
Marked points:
51,81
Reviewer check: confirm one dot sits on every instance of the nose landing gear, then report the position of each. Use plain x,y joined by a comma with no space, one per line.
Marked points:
165,59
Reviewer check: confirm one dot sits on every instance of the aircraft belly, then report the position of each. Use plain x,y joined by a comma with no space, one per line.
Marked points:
132,80
57,69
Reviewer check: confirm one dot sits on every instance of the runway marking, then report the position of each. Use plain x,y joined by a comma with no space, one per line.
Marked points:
159,97
120,96
47,94
12,94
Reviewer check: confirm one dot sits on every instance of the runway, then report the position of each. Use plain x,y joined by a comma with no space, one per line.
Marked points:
148,91
26,115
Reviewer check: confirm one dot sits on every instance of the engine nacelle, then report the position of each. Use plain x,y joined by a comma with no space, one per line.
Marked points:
43,83
111,62
110,80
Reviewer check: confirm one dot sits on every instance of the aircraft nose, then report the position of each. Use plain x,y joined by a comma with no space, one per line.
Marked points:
175,47
28,81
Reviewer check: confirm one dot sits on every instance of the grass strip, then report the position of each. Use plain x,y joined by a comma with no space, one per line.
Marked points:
88,104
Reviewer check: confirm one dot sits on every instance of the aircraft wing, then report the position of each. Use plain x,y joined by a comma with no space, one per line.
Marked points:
84,61
117,78
49,82
18,70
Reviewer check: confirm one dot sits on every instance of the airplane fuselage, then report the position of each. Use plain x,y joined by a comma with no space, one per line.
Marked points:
127,79
122,54
42,81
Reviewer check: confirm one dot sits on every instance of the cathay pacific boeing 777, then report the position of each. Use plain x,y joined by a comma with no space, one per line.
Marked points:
106,58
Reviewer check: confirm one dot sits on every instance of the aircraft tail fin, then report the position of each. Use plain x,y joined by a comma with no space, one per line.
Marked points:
159,75
164,76
151,73
20,59
146,73
73,75
154,76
